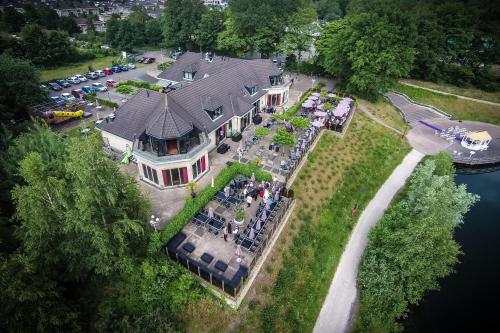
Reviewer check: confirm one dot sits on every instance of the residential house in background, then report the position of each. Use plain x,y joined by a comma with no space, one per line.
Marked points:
100,26
171,134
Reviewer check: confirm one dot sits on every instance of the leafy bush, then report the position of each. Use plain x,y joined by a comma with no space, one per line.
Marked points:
414,233
140,84
193,206
165,65
262,131
125,89
300,122
283,137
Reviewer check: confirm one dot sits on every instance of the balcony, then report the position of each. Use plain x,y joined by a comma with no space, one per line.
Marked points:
144,151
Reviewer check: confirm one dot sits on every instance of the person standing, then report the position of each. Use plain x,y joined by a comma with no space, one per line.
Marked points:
249,200
225,233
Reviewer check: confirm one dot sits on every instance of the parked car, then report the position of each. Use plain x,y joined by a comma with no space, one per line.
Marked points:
44,88
88,89
64,83
107,71
176,55
149,60
58,100
141,59
81,78
68,97
116,69
100,73
78,93
124,68
131,66
73,80
54,86
92,75
111,83
99,87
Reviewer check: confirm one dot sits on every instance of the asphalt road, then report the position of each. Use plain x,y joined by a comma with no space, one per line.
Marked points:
133,74
336,313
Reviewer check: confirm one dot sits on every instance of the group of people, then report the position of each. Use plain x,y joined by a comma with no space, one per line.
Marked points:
269,193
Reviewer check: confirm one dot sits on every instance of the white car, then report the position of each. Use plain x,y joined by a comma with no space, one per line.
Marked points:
73,80
81,78
131,66
68,97
99,87
100,73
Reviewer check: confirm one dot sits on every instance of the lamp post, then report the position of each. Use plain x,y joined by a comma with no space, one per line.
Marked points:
154,222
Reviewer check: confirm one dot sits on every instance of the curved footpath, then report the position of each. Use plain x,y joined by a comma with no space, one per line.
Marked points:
337,311
450,94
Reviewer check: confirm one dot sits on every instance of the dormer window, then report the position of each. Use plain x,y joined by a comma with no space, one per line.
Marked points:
276,80
214,113
252,90
189,72
189,75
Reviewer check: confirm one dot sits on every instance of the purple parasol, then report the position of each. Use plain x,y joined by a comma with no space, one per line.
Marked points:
258,224
264,215
308,104
315,94
251,235
313,98
320,113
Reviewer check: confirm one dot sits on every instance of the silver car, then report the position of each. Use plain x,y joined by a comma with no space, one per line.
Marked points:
73,80
81,78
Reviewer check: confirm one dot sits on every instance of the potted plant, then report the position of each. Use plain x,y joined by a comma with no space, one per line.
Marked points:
192,187
239,217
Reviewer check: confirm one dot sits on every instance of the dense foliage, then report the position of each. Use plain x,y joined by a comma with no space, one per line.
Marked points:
382,40
412,246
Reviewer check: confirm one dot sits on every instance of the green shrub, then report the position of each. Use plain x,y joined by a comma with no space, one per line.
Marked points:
262,131
140,84
125,89
300,122
192,206
283,137
165,65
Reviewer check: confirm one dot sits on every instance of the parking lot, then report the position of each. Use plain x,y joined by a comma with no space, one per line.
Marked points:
146,73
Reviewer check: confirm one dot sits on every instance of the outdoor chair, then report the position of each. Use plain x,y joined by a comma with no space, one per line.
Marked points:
188,247
221,266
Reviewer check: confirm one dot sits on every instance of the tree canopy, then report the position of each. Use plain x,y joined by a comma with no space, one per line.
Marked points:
412,246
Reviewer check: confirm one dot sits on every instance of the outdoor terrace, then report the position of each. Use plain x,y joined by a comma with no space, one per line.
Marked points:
201,247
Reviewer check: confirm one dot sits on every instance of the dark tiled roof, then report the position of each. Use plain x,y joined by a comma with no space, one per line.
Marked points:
132,116
165,124
186,108
195,62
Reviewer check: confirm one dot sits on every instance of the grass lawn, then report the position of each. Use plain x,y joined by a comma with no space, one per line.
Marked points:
459,108
385,111
289,291
77,131
468,92
66,71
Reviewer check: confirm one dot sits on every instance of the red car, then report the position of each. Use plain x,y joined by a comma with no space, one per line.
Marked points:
149,60
78,93
107,71
111,83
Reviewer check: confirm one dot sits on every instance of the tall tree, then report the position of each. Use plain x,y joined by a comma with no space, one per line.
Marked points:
180,20
368,52
68,24
300,29
211,24
412,246
11,20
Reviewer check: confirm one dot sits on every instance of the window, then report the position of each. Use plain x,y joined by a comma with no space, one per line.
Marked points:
199,167
175,177
189,75
214,114
251,90
150,173
276,80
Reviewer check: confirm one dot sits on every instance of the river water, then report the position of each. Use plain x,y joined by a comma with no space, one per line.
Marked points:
469,298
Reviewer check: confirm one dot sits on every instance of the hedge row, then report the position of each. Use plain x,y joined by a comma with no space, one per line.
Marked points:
296,107
105,102
193,206
140,84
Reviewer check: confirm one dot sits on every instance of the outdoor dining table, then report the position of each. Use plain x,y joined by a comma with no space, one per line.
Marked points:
201,217
217,224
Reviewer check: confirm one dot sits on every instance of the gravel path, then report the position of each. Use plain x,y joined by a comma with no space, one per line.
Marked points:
337,311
